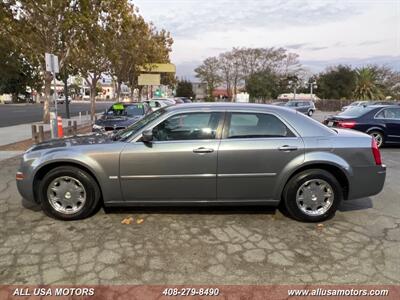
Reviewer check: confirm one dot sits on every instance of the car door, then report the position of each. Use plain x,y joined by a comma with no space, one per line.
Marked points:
179,164
254,149
391,118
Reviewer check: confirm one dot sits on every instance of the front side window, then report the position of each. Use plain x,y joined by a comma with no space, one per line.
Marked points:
257,125
189,126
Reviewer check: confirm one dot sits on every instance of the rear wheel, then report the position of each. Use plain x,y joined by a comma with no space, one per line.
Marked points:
69,193
312,195
310,113
378,136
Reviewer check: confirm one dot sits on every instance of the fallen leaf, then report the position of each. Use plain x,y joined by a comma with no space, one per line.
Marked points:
127,221
320,226
139,221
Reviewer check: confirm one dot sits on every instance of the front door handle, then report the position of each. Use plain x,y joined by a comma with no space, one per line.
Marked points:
288,148
203,150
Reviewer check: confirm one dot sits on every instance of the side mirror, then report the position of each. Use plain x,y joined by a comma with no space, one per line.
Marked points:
147,136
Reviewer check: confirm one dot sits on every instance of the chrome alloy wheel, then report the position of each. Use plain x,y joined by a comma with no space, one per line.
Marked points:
314,197
378,138
66,195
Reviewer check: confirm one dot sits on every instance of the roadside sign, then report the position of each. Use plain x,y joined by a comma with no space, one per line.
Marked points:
51,63
149,79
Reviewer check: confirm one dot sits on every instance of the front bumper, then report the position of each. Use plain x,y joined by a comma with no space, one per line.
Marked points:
367,181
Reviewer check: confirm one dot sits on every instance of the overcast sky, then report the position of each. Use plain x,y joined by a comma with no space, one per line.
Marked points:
322,32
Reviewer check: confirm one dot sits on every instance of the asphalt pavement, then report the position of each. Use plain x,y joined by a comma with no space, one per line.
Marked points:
15,114
360,245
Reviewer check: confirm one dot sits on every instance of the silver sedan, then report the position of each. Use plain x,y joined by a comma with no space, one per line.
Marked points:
206,154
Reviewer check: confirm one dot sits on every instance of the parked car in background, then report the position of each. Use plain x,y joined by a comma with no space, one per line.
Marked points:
369,102
280,103
157,103
355,103
380,121
206,154
305,107
6,98
184,99
121,115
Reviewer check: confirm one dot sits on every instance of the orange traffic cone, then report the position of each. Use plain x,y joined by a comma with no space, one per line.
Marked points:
60,132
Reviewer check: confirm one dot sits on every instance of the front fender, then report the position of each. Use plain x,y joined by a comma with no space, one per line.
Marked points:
110,189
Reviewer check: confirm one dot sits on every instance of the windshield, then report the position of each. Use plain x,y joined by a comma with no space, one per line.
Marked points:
130,131
356,111
119,109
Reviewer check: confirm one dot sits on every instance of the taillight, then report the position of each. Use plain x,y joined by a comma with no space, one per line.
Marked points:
376,152
347,124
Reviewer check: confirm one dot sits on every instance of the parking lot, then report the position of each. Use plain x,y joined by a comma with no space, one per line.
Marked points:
199,246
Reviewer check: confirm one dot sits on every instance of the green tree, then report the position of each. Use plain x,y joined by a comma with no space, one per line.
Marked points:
208,72
263,85
40,26
337,82
184,88
368,86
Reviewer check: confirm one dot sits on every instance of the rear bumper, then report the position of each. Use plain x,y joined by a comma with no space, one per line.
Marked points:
366,181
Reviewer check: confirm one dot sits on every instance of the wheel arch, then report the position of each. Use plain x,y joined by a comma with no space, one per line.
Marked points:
335,170
45,168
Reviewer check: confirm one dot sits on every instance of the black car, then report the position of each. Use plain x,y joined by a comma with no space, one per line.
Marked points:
121,115
380,121
305,107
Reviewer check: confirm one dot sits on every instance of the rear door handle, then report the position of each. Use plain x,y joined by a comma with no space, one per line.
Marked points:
203,150
287,148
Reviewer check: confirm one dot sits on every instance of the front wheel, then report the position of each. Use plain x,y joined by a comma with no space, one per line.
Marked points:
378,136
310,113
68,193
312,195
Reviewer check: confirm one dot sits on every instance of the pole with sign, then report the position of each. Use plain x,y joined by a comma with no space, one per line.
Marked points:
52,66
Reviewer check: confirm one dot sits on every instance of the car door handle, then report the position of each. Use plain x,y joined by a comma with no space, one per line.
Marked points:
203,150
287,148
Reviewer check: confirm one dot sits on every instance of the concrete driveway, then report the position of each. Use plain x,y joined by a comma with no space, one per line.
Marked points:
208,246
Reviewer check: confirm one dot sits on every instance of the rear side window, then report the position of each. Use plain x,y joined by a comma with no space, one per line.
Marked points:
389,113
356,111
256,125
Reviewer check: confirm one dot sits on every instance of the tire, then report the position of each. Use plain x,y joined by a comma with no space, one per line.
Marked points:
301,185
379,138
74,185
310,113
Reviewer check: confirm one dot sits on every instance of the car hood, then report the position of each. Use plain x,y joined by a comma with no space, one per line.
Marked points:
78,140
110,121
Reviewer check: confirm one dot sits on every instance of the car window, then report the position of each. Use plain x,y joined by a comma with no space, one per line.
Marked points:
356,111
389,113
188,126
256,125
119,109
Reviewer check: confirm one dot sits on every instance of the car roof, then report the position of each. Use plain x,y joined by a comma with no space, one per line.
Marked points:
226,105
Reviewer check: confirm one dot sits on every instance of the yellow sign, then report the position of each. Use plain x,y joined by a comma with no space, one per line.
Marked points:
159,68
149,79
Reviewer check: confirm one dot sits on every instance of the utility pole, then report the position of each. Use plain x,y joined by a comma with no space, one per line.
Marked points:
66,92
52,66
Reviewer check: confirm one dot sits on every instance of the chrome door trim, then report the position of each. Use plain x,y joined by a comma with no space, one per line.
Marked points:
175,176
247,175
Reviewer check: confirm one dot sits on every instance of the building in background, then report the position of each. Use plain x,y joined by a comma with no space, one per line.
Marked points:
301,96
200,90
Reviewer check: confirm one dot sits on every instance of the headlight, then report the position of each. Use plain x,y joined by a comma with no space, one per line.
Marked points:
97,127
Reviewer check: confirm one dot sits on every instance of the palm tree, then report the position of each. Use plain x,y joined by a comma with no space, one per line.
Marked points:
367,85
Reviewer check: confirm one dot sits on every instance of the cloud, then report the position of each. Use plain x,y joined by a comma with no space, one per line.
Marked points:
296,46
193,17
